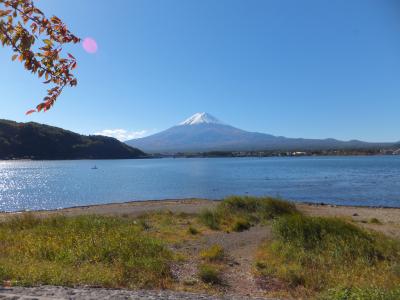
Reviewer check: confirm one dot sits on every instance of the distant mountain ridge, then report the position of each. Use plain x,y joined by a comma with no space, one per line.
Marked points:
38,141
203,132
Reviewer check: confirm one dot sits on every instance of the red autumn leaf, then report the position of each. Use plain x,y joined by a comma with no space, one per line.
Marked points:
30,111
4,12
24,25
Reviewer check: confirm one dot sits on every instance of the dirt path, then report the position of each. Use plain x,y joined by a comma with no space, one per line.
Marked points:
240,248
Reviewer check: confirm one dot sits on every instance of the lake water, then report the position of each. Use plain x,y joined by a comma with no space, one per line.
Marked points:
33,185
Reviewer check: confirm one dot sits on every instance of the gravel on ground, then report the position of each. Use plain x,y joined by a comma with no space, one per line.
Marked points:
54,292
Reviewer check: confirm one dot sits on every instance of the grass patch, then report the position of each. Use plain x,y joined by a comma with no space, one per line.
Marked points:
260,208
210,274
171,227
85,250
374,221
210,218
192,230
240,213
322,253
213,254
241,225
364,294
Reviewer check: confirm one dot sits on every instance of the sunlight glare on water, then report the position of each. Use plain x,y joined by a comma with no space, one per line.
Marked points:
33,185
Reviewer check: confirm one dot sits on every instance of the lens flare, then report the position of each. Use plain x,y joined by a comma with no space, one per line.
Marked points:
90,45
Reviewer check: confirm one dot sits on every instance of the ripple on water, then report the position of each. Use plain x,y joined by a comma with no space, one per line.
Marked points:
32,185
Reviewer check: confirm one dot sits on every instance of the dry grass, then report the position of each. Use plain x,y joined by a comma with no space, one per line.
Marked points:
92,250
362,294
210,274
173,228
213,254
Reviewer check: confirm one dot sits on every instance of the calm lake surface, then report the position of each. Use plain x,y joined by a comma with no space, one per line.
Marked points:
33,185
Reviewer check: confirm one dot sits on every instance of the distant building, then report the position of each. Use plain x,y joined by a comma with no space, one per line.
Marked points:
298,153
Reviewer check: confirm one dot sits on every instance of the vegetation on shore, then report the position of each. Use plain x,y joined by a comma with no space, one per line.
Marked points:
371,293
318,254
211,268
105,251
312,257
240,213
210,273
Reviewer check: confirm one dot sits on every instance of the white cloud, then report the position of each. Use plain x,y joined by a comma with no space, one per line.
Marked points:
122,134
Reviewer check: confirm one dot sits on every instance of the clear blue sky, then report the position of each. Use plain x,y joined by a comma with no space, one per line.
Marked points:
313,69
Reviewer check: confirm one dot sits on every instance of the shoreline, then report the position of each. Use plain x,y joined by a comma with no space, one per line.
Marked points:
187,200
194,155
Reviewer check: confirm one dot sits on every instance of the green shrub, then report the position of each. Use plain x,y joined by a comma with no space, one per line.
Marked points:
209,274
93,250
362,294
213,254
241,225
144,224
240,213
343,240
210,219
396,268
320,253
238,204
258,208
273,208
192,230
374,221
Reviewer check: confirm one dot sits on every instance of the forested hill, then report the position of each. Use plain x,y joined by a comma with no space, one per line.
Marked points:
38,141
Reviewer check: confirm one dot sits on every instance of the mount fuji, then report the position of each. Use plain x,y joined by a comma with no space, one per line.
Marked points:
203,132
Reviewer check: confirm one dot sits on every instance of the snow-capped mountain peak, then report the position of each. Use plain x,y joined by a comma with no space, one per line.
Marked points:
201,118
204,133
